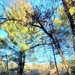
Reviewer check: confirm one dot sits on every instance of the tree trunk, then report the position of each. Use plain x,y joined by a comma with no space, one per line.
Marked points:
64,61
55,61
21,63
7,69
57,45
74,44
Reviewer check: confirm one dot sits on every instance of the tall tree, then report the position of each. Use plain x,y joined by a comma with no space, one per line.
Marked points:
19,33
45,23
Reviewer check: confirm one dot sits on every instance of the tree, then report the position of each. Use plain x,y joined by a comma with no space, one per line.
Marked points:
19,33
51,35
3,45
67,19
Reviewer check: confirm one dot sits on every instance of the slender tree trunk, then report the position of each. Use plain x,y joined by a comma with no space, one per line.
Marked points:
55,61
24,56
7,68
74,44
21,63
7,65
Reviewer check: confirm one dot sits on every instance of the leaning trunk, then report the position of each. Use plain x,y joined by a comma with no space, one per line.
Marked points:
57,45
64,61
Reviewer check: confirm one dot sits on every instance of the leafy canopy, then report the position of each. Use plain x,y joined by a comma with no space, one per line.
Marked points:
16,29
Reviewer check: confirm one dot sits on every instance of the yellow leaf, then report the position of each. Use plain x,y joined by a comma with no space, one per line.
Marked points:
25,47
57,22
25,30
72,10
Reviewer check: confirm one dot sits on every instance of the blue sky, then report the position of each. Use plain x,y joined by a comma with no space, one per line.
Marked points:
3,33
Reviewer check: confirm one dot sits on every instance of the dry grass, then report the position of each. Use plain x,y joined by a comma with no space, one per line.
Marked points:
40,69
